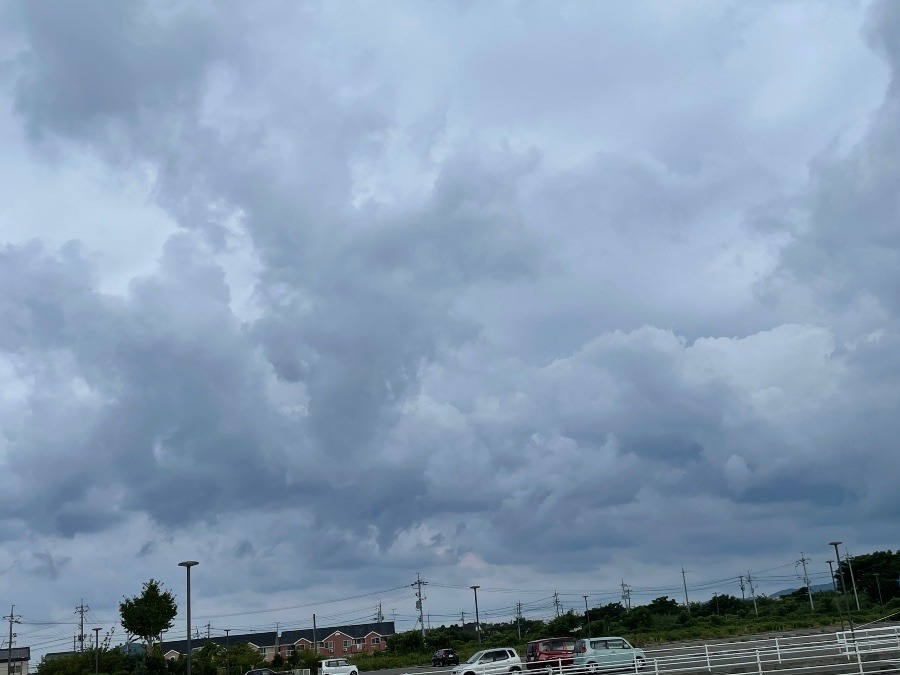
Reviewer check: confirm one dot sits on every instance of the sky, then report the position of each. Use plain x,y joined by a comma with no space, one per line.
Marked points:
536,296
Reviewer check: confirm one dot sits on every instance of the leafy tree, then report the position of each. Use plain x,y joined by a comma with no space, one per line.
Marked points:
243,657
664,605
149,614
879,569
79,663
408,642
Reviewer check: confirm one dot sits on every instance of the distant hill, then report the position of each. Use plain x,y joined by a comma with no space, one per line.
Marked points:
816,588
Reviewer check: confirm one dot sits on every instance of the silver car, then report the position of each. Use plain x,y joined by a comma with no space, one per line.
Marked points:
490,662
607,653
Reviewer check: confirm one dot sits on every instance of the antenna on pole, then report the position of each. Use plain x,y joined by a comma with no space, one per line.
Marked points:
419,582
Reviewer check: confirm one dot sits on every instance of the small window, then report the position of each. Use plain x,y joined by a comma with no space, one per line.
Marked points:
376,640
329,644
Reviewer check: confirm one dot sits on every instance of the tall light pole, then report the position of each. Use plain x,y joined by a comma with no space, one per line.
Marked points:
837,555
588,615
477,619
227,654
187,565
97,651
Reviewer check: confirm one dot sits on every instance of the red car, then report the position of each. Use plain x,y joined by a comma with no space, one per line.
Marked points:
549,652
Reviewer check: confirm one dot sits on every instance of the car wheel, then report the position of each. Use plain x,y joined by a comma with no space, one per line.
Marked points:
592,667
639,662
515,669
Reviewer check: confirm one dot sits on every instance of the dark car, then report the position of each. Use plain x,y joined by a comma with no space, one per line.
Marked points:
445,657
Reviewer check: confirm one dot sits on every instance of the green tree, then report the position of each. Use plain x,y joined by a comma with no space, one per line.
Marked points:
243,657
408,642
149,614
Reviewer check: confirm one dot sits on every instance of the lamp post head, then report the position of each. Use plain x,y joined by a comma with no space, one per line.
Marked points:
835,543
188,563
474,587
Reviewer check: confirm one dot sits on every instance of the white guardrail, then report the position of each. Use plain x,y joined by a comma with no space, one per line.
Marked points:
870,650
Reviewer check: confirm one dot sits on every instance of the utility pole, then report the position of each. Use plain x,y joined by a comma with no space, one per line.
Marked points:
12,619
716,598
519,617
741,578
687,602
315,641
831,570
80,610
462,619
97,651
379,617
803,562
878,583
419,600
753,593
587,615
477,617
626,595
557,603
837,555
852,580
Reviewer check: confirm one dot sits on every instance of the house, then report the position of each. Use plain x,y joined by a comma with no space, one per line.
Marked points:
265,643
333,641
366,638
14,661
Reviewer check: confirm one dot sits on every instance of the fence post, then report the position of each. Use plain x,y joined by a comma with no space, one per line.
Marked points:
778,650
708,662
758,663
859,659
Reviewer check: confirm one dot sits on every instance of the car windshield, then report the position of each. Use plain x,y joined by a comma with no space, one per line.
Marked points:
475,657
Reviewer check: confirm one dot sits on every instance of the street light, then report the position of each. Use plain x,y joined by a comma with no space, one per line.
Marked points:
477,620
97,651
837,555
187,565
588,615
227,655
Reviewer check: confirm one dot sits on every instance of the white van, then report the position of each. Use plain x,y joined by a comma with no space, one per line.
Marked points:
608,653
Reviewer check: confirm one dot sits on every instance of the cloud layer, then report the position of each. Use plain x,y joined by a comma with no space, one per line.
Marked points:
533,296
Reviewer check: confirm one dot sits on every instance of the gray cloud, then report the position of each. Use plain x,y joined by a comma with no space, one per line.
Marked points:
419,313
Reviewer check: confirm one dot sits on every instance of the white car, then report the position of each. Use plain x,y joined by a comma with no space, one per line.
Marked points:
607,653
490,662
337,667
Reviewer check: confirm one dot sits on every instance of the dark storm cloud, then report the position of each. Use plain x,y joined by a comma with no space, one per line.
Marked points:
90,64
177,414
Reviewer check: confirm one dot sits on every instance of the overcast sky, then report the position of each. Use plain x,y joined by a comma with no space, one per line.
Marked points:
531,295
